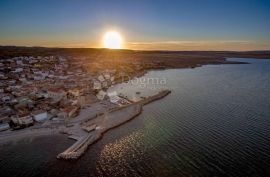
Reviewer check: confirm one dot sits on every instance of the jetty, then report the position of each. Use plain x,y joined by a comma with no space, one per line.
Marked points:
102,124
92,130
154,97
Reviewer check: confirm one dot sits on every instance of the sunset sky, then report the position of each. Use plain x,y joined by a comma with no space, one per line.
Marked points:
143,24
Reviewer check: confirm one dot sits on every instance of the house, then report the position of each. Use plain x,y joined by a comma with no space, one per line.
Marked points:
18,70
6,99
40,115
19,62
21,122
56,94
112,78
70,111
101,78
74,92
12,82
5,114
114,98
23,79
105,84
101,95
107,76
84,100
97,85
38,77
4,126
23,102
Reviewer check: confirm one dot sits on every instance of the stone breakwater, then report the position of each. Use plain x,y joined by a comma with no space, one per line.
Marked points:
154,97
102,123
98,126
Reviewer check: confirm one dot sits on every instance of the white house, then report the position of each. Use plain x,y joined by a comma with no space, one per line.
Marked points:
4,126
97,85
18,70
112,78
114,98
101,95
101,78
107,76
19,62
40,115
38,77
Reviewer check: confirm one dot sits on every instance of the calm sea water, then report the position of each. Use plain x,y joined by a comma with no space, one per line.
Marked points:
216,122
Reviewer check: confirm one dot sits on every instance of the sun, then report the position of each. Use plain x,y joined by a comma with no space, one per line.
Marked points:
112,40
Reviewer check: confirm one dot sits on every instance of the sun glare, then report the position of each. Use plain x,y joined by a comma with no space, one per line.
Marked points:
112,40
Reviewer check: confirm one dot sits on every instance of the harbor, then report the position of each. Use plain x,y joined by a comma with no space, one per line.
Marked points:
91,130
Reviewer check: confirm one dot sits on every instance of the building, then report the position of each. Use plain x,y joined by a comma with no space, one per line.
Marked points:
75,92
4,126
84,100
21,122
40,115
101,78
107,76
70,111
6,99
101,95
18,70
56,94
97,85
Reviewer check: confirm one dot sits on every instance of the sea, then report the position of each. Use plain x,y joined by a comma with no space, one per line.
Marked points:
216,122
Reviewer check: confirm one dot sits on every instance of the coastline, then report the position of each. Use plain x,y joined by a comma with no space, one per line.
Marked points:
118,116
45,131
36,133
106,122
80,146
50,131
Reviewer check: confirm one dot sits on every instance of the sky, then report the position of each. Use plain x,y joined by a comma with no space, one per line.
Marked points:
143,24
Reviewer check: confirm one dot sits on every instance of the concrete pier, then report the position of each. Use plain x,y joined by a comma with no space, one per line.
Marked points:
103,123
155,97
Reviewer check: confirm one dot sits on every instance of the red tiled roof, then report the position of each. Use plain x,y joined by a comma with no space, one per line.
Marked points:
69,109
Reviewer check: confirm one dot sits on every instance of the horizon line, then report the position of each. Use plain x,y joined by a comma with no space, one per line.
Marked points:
157,50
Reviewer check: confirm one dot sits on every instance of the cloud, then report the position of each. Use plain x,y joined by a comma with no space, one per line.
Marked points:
199,45
189,42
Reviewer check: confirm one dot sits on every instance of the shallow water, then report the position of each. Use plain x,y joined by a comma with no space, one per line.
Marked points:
214,123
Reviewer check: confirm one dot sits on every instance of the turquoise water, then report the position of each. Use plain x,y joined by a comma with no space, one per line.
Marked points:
214,123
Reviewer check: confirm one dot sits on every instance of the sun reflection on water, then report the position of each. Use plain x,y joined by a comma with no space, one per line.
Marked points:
115,157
